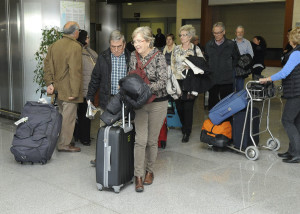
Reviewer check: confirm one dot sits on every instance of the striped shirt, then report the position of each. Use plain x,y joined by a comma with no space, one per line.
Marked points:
244,47
119,70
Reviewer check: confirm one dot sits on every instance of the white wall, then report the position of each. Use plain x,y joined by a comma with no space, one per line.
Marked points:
296,12
149,10
187,9
265,20
38,14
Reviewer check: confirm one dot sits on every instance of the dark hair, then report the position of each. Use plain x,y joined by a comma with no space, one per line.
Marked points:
171,35
262,42
82,37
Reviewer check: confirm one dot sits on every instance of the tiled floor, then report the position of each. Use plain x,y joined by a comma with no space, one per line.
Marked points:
189,178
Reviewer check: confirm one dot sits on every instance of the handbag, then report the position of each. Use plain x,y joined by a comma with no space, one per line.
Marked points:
142,73
244,66
173,88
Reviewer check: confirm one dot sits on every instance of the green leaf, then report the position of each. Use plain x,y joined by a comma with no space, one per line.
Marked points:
49,36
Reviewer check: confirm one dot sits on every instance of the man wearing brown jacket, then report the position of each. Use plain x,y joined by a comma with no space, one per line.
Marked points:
63,72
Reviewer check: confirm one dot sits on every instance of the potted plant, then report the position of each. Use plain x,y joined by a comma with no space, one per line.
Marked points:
49,36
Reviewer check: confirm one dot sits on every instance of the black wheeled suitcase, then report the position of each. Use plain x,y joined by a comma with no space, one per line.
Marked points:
114,155
237,128
37,133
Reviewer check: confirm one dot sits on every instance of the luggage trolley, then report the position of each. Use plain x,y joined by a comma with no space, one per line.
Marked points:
260,93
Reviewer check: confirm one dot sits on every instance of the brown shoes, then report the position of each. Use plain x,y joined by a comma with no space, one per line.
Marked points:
139,184
69,148
149,177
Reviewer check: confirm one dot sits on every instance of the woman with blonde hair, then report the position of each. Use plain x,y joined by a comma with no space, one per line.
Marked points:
185,104
290,75
148,119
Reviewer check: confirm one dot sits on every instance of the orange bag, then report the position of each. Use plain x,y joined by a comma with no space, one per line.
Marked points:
216,135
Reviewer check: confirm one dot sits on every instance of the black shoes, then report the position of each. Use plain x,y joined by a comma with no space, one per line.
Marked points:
288,158
185,138
286,155
292,160
85,143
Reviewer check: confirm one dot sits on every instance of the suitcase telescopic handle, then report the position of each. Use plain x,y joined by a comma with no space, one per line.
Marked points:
129,127
55,97
43,91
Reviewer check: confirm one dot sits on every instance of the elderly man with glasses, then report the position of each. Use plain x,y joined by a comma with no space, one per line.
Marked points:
222,55
111,66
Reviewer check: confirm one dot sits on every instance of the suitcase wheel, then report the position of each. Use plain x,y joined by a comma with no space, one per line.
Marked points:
43,162
100,187
116,189
163,144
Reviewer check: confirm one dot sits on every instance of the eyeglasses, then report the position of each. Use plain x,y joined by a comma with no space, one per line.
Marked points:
137,42
183,35
116,47
218,33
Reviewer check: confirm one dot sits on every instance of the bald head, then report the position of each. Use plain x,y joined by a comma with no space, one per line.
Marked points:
72,28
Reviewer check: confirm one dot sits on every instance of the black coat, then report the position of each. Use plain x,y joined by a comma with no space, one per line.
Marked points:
222,60
134,93
101,78
199,82
259,54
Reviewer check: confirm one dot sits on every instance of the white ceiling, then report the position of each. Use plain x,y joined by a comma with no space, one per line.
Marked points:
223,2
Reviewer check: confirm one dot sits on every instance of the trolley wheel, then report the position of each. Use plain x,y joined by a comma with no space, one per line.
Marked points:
252,152
273,145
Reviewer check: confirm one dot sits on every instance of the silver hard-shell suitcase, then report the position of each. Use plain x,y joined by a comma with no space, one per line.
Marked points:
114,155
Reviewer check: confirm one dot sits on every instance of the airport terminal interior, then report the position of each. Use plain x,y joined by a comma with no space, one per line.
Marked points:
190,178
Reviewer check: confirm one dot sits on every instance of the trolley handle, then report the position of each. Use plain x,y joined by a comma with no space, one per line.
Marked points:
252,81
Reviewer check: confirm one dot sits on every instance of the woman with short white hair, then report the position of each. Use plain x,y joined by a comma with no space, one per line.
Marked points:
185,104
148,119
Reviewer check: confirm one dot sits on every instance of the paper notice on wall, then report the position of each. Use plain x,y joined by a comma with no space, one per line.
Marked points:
72,11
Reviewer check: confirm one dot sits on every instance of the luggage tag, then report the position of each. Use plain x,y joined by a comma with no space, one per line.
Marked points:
22,120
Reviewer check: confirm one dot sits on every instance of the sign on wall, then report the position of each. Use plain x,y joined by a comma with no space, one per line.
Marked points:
72,11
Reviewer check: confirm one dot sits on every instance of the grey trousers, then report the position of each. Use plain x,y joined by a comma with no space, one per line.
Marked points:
291,123
69,113
148,122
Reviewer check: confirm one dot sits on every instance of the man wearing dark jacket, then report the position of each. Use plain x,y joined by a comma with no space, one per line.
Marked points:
222,55
111,66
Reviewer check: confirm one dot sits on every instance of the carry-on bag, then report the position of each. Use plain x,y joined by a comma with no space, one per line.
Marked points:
216,135
162,138
228,106
114,155
173,119
237,128
37,132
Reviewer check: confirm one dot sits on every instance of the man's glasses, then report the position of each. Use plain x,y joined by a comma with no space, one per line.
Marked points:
218,33
116,47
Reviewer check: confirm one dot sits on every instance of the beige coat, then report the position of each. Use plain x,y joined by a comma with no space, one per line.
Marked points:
63,68
89,59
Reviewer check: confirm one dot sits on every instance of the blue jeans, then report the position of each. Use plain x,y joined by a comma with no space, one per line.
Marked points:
291,123
239,83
